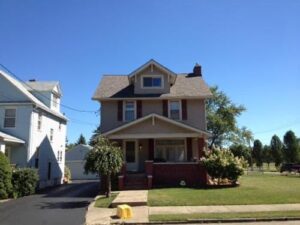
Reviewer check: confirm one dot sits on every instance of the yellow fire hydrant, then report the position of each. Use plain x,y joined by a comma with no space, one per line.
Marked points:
124,212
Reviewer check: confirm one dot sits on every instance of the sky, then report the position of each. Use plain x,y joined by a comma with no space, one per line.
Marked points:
250,49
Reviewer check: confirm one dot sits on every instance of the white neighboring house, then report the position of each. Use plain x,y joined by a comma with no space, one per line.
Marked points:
75,160
32,128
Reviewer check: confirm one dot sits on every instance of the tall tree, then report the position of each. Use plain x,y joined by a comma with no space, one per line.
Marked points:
106,159
291,147
93,139
81,140
267,155
239,150
221,117
258,153
276,150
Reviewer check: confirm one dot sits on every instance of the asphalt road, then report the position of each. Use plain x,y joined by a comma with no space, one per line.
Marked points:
63,205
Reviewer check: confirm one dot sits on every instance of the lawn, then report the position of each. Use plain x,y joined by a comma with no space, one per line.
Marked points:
103,202
198,216
253,189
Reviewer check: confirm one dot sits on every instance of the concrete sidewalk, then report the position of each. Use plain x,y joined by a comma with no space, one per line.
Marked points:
222,209
132,198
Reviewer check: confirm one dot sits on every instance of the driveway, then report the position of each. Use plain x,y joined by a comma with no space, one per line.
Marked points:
63,205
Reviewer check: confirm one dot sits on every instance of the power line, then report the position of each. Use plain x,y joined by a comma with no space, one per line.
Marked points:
38,92
278,128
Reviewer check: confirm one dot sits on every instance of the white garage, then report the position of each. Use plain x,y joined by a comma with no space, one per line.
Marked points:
75,160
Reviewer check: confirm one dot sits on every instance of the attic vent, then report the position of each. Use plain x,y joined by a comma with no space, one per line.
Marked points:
32,80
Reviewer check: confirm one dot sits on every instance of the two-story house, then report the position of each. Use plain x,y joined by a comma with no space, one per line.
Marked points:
32,128
158,118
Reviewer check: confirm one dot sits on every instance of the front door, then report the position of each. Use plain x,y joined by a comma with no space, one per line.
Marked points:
131,156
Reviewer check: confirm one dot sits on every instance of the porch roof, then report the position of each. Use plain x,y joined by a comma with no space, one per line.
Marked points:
154,126
10,139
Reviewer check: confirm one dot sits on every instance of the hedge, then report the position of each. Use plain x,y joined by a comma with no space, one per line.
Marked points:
5,177
24,182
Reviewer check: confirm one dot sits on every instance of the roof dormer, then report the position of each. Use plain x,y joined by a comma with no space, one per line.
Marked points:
152,78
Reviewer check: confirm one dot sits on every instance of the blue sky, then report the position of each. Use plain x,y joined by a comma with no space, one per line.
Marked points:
250,49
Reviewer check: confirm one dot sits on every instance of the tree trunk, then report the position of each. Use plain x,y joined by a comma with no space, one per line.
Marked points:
108,186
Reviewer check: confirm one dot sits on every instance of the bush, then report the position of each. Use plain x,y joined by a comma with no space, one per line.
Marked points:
68,175
5,177
221,164
24,182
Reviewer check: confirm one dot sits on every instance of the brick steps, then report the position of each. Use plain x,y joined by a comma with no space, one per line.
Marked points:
135,181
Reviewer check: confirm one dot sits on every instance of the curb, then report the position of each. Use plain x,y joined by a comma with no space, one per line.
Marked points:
207,221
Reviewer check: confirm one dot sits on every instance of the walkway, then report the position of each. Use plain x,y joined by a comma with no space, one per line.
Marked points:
132,198
222,209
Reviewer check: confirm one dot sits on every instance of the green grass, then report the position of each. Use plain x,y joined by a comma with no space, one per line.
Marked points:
253,189
103,202
195,216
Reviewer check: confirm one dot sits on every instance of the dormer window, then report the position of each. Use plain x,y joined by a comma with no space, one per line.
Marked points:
152,81
55,101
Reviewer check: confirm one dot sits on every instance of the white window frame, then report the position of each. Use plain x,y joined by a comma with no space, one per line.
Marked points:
55,100
180,109
185,147
40,121
51,136
10,117
124,110
153,76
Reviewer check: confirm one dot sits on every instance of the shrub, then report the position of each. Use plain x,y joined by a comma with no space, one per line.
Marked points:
5,177
221,164
68,175
24,182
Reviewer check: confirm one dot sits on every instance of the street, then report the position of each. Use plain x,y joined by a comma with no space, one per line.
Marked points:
65,205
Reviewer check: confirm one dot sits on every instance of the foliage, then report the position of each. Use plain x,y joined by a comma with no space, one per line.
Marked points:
221,164
257,153
239,150
81,140
68,175
93,139
24,181
106,159
221,117
276,150
267,155
291,147
5,177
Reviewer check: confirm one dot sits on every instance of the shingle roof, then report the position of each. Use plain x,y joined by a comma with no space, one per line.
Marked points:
117,86
41,85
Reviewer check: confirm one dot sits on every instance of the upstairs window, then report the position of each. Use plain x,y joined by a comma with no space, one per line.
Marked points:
10,118
40,115
55,101
51,134
152,81
129,111
174,110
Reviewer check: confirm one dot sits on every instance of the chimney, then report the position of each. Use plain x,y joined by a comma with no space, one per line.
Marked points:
197,70
32,80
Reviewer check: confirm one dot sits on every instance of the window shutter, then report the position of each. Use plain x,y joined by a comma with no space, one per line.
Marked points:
184,109
120,110
165,108
189,149
139,109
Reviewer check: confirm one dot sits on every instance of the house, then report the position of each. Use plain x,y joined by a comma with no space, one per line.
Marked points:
75,160
32,128
158,118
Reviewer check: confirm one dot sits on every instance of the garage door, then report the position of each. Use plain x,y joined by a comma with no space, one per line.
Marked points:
77,171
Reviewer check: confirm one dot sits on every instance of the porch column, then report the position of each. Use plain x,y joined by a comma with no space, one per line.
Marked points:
151,149
189,149
200,147
2,147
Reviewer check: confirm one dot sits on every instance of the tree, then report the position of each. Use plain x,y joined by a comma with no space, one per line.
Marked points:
96,133
81,140
291,147
258,153
267,155
106,159
276,150
221,117
239,150
5,177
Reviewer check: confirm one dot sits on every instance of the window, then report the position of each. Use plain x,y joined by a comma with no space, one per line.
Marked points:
55,101
152,81
129,111
170,150
59,156
51,134
10,118
40,120
174,110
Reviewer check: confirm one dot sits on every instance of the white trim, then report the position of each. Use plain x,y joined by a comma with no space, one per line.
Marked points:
180,109
152,76
124,110
15,125
159,117
155,135
9,138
